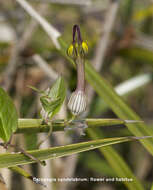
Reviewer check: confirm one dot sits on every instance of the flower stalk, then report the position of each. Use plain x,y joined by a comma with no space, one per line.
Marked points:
80,74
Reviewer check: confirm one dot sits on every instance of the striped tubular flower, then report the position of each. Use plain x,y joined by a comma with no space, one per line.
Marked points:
77,51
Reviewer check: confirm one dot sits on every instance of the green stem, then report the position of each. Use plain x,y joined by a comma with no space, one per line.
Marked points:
36,126
48,135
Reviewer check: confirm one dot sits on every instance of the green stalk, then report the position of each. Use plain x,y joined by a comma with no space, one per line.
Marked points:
36,126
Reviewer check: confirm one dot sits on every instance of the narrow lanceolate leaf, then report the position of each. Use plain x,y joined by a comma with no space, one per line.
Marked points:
36,126
25,174
97,164
121,109
8,116
138,54
9,159
35,89
117,163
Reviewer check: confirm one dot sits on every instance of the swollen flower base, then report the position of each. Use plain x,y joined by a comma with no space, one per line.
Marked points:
77,103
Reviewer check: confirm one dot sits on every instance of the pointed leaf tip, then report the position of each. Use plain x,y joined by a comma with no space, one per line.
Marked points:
133,121
139,138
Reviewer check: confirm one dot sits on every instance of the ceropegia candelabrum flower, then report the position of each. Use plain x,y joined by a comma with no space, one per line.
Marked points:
77,102
77,51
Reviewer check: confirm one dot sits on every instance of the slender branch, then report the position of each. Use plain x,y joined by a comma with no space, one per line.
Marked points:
69,2
47,136
50,30
31,28
36,126
105,38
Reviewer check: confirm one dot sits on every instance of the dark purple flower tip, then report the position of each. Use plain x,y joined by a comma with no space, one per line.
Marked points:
76,28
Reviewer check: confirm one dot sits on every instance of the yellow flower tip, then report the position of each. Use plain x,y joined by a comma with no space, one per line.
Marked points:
85,47
70,50
76,45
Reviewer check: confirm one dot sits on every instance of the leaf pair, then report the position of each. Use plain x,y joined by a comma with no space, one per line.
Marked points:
53,98
49,106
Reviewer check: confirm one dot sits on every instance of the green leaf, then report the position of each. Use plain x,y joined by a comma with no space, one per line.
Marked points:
152,187
97,164
9,160
20,171
138,54
35,89
55,97
117,162
25,174
8,116
122,110
49,106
